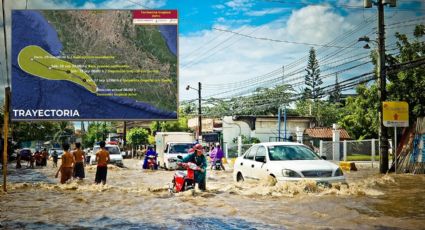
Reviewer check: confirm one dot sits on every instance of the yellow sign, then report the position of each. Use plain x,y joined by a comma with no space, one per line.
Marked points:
395,113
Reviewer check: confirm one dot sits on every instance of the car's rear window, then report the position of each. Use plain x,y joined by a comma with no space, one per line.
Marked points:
291,152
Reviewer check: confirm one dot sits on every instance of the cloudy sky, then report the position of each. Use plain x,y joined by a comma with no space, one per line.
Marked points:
230,45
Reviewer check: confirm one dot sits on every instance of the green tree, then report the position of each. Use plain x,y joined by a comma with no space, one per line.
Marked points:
326,113
312,78
361,120
405,84
30,131
137,136
64,131
96,131
409,84
247,140
335,96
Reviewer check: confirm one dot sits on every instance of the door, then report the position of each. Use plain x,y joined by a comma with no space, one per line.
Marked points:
247,161
259,168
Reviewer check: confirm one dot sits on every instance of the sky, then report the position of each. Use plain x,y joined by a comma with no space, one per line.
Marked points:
229,44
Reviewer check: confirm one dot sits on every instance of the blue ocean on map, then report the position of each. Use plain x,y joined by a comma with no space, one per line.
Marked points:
31,92
169,32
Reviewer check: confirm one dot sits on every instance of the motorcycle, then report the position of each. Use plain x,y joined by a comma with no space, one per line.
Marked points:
151,162
216,164
184,180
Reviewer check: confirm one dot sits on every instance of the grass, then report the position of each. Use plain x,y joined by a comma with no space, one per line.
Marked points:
359,157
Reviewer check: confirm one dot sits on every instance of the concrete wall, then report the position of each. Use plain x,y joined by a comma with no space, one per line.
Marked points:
266,128
232,129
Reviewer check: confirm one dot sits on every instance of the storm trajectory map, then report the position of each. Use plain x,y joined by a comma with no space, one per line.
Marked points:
94,64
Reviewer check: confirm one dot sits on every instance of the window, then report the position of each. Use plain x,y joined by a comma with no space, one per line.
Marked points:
261,154
291,152
180,148
251,153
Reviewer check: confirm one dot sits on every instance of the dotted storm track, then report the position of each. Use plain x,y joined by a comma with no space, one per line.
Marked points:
38,62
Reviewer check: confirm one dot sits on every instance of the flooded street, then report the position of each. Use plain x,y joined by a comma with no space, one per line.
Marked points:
134,198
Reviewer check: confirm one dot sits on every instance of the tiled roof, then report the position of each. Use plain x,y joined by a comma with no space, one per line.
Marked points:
326,133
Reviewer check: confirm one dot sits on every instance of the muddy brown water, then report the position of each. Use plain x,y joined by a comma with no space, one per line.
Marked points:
139,199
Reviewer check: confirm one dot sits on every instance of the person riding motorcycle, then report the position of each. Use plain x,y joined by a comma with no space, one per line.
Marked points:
217,155
150,152
198,158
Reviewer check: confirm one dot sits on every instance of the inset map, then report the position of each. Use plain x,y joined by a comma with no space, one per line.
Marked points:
95,64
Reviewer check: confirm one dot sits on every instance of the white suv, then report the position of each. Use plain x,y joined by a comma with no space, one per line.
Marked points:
114,154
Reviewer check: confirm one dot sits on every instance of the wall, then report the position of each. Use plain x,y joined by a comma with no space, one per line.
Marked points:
265,128
232,129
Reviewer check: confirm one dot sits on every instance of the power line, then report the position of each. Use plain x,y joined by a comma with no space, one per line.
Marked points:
352,7
193,62
275,40
139,4
337,39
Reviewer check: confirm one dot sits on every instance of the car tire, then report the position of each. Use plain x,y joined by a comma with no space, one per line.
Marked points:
239,177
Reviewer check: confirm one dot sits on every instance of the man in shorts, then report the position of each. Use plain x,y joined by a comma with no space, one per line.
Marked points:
67,165
79,161
102,159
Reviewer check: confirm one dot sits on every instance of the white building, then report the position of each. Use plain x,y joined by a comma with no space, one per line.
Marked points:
265,128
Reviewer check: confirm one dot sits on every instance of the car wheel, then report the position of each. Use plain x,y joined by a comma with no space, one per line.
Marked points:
239,177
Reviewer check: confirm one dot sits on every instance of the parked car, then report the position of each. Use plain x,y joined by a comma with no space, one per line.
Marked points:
114,154
286,161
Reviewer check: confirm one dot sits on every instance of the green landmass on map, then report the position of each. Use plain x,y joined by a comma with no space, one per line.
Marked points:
141,49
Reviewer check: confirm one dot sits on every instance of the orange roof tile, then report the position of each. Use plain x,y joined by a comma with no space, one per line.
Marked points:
326,133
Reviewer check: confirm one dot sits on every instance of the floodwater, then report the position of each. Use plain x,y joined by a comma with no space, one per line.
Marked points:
139,199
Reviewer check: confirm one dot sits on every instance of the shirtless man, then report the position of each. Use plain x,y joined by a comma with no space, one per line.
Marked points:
67,165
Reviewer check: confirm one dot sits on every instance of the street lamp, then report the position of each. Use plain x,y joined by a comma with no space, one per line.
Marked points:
199,134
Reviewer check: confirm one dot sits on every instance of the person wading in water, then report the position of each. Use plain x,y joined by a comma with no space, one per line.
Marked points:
67,165
79,161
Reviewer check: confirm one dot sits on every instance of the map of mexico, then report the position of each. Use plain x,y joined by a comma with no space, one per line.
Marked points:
95,64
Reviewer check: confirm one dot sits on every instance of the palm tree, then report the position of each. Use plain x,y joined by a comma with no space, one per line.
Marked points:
63,131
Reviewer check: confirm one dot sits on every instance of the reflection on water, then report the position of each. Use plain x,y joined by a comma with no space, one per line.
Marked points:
134,198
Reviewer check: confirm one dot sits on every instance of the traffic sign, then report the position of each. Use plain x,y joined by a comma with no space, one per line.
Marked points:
395,113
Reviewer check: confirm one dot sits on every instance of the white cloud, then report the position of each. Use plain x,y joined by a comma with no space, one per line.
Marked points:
266,11
318,23
234,22
239,5
350,2
219,7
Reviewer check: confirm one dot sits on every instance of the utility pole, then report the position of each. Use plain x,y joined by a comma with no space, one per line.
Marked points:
5,135
383,162
199,111
199,134
383,135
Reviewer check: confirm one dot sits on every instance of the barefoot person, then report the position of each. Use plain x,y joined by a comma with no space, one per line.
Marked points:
67,165
79,162
102,158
